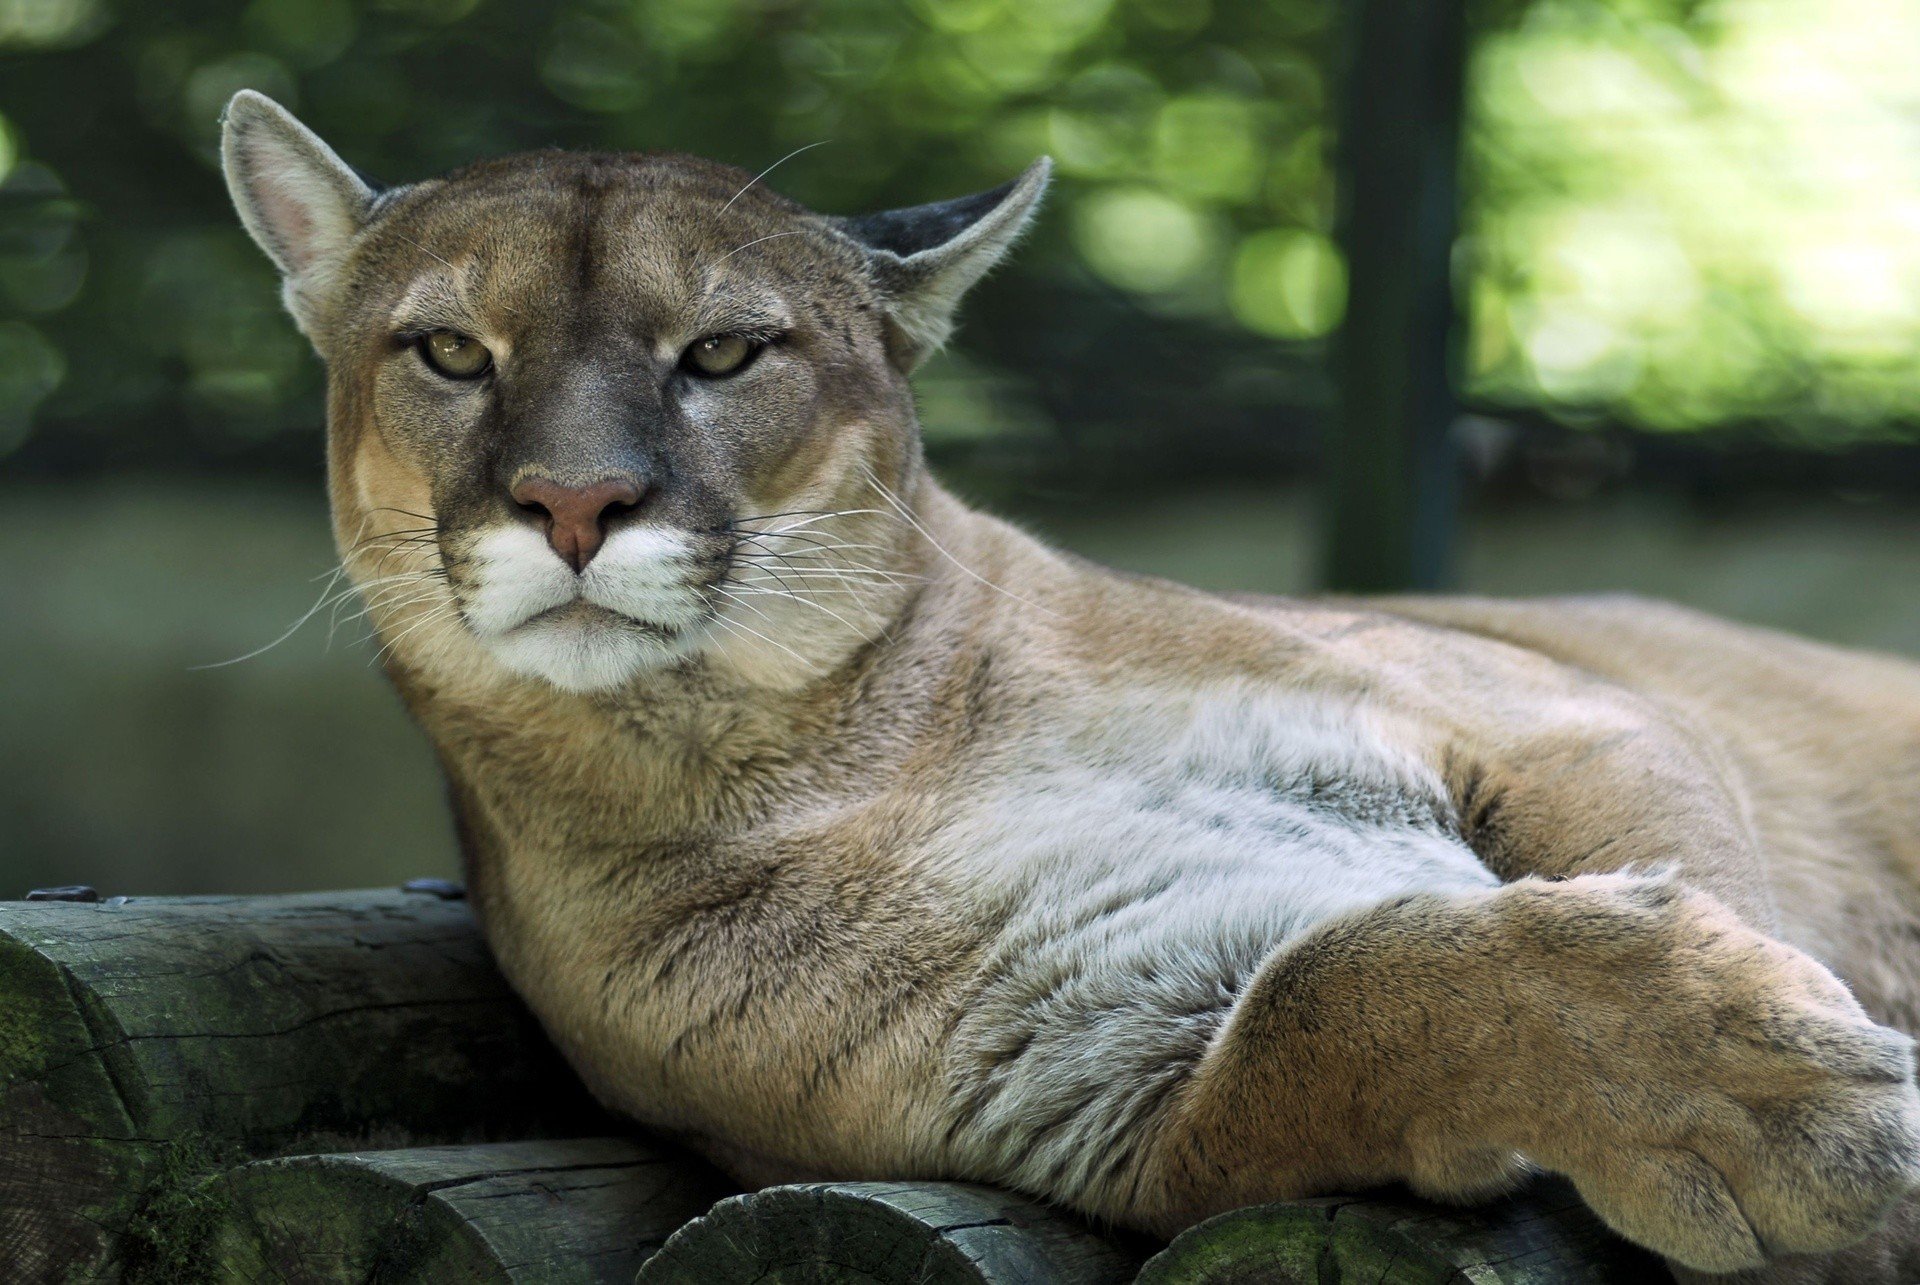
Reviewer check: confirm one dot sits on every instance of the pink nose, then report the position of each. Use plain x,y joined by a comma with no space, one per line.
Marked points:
576,517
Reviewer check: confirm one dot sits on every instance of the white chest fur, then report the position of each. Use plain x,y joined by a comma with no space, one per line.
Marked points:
1143,861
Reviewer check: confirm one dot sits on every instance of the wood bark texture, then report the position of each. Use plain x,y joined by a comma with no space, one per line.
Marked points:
586,1211
879,1233
144,1041
1543,1236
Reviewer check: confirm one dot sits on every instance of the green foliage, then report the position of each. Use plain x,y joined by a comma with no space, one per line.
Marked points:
1679,215
1684,218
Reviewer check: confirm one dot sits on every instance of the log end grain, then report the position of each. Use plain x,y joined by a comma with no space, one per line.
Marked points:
881,1233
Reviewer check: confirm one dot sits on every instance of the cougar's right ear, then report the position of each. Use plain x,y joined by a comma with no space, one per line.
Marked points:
300,201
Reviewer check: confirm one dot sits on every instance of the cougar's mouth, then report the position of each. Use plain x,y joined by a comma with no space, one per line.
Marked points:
584,614
631,608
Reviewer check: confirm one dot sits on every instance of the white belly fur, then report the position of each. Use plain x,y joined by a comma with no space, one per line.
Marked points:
1143,864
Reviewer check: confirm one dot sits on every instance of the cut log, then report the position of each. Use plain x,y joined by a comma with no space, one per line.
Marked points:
578,1212
144,1040
1544,1236
879,1233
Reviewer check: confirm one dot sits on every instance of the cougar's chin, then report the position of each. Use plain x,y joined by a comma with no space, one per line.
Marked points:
588,649
637,606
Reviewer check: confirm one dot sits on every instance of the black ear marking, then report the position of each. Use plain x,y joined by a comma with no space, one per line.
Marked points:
925,257
916,228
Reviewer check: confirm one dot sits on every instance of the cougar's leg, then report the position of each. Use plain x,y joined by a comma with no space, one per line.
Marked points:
1715,1094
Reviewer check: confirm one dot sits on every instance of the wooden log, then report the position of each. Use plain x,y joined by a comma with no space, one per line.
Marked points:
1543,1236
885,1232
576,1212
144,1041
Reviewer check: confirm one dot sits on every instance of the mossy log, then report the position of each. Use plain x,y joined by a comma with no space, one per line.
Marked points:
1544,1236
576,1212
142,1038
879,1233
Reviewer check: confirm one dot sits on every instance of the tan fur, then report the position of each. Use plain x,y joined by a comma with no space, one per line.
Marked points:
757,899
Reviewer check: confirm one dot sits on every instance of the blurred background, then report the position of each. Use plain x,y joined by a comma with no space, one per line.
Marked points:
1635,305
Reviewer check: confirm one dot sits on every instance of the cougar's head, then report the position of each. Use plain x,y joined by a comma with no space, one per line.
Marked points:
591,415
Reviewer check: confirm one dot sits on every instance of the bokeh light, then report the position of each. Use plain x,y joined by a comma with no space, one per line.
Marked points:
1678,215
1691,217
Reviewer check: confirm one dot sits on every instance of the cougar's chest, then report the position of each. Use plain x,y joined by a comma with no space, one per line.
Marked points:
1233,802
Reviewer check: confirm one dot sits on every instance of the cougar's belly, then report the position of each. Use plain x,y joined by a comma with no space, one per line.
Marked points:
1139,870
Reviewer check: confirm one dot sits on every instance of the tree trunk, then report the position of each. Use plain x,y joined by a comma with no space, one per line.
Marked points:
146,1041
879,1233
575,1212
1389,479
1544,1236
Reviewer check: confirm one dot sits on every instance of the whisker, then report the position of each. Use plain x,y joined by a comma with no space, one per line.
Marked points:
762,560
941,549
788,566
375,592
767,569
734,595
771,236
759,549
810,560
803,546
735,624
853,578
768,517
838,513
853,582
809,541
770,169
406,547
320,604
432,617
339,568
775,593
410,534
372,591
385,603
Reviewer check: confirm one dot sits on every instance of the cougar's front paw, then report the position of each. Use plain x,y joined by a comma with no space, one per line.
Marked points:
1727,1099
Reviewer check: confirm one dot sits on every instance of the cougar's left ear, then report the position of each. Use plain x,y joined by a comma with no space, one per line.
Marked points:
926,256
301,202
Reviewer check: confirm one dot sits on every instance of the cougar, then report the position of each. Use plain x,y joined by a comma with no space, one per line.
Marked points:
843,831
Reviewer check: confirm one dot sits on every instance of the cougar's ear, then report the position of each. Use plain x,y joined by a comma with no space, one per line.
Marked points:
299,200
926,256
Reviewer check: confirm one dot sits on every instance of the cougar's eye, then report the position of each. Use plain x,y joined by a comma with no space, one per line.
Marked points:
455,355
717,356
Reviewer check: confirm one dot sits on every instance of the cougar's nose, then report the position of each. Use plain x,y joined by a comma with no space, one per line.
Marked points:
576,517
